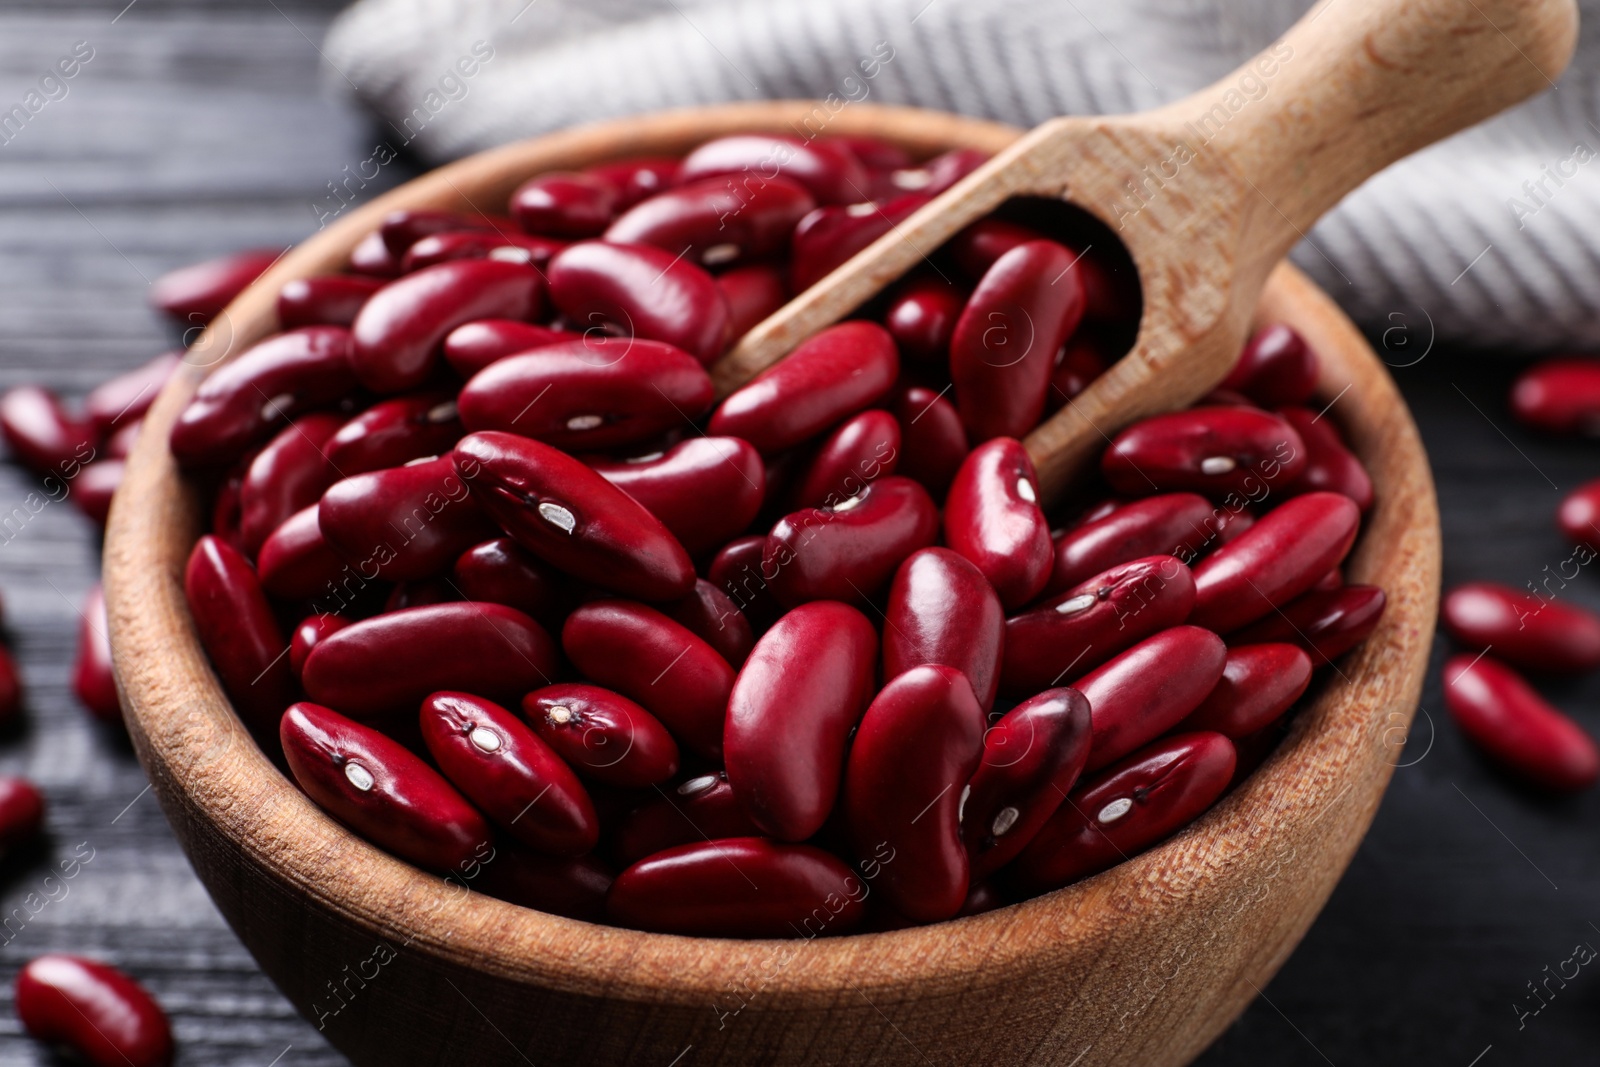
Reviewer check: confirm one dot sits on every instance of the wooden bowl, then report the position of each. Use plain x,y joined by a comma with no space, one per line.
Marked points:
1144,964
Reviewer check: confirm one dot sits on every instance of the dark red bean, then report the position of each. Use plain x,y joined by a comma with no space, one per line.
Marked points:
94,487
93,681
380,789
1258,684
705,490
574,888
790,714
1126,808
1326,624
712,223
992,517
863,448
634,179
739,571
225,503
102,1014
21,812
1276,369
247,398
290,474
500,571
1277,559
1533,632
394,432
1217,451
918,746
436,590
565,204
42,435
237,628
875,154
1172,524
752,293
640,291
571,517
711,615
701,809
10,688
326,300
602,734
509,774
311,630
849,551
648,657
194,295
739,887
397,335
932,440
1080,628
600,392
480,244
942,610
940,172
977,248
1031,758
1501,714
295,562
470,348
1334,579
1579,515
1330,465
836,373
125,398
1082,361
371,258
387,664
830,171
406,522
830,235
1559,396
404,228
921,317
1150,688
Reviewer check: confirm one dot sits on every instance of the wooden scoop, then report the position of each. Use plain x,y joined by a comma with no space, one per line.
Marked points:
1209,193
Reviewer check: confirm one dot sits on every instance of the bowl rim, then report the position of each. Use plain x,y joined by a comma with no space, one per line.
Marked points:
191,743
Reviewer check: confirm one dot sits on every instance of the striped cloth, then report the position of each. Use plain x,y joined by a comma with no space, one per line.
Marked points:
1460,243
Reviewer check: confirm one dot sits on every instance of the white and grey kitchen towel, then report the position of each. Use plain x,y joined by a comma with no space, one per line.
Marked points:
1459,242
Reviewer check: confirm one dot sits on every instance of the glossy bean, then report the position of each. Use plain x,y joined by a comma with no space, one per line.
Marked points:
1216,451
1578,517
976,248
640,291
42,435
861,449
470,348
1281,556
393,432
940,172
711,615
1276,369
94,487
1171,524
1326,624
326,300
22,810
1127,808
1503,716
1258,684
125,398
830,171
602,734
1031,758
565,204
93,681
387,664
403,523
851,550
921,317
1330,465
942,610
711,223
753,292
1559,396
830,235
703,808
196,294
403,228
1147,690
290,474
480,244
637,178
572,518
371,258
500,571
102,1014
238,631
705,490
875,154
739,570
992,517
573,888
1533,632
422,592
295,562
307,634
932,440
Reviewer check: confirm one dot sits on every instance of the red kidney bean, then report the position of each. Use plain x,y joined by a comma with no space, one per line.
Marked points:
1229,399
640,291
849,551
295,562
700,809
705,490
863,448
602,734
634,179
403,523
713,224
738,570
509,774
10,688
921,317
932,440
125,398
1334,579
1005,343
1326,624
1502,715
276,380
790,714
875,154
21,812
94,487
394,432
288,475
387,664
311,630
739,887
940,172
480,244
565,204
1217,451
194,295
1276,369
1078,629
830,235
102,1014
1031,758
1147,690
942,610
380,789
500,571
711,615
648,657
93,681
436,590
752,292
1330,466
1165,525
42,435
572,518
470,348
918,746
574,888
371,258
238,631
992,517
1579,515
1126,808
831,376
404,228
1533,632
1281,556
1258,684
397,335
830,171
1082,361
1109,293
600,392
977,248
326,300
225,504
1559,396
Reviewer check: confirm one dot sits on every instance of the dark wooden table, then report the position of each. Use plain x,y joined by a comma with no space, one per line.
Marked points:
199,128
